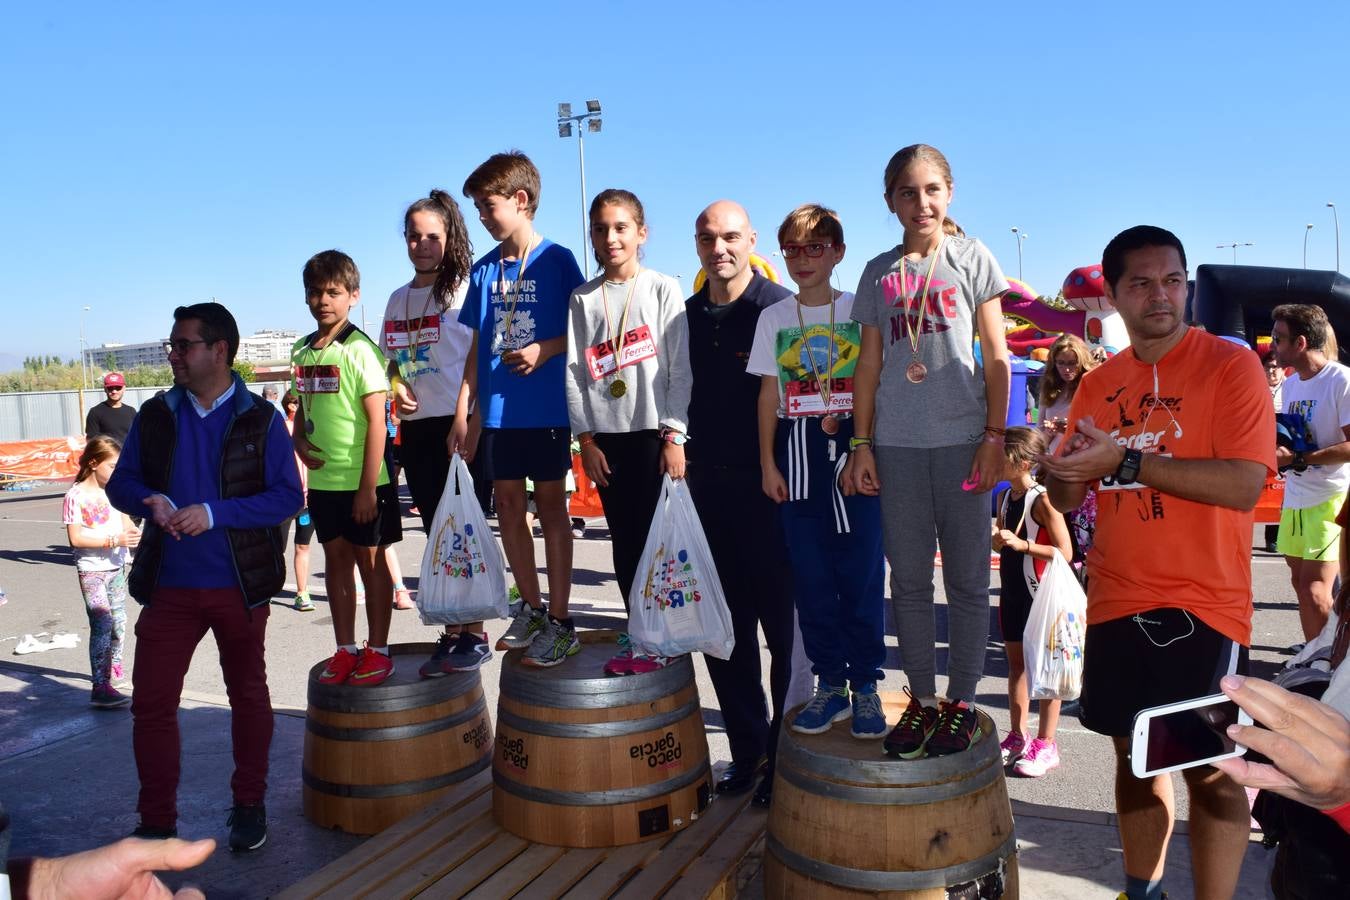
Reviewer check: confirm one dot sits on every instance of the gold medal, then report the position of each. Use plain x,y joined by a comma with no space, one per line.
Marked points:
916,372
830,424
618,388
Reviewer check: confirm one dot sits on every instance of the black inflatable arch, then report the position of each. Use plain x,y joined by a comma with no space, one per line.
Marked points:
1237,300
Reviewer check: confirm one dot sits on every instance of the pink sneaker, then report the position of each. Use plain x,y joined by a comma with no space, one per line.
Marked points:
1040,757
629,661
1012,747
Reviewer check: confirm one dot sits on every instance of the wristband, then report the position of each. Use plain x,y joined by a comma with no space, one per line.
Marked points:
1341,816
855,442
671,436
993,439
587,440
994,429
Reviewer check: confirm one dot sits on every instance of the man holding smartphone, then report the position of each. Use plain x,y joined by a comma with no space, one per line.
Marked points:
1177,434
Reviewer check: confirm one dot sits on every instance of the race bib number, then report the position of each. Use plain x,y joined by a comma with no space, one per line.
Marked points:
637,346
802,398
400,335
318,379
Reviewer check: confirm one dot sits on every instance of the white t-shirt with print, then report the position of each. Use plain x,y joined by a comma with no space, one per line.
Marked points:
780,351
413,326
1322,401
87,506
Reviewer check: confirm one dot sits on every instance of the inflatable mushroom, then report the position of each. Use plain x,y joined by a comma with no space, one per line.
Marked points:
1085,289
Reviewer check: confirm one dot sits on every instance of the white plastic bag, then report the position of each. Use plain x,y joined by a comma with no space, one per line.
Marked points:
1053,640
463,577
677,605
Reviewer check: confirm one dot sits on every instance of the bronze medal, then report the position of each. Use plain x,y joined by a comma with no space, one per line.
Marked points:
916,372
618,388
309,426
830,424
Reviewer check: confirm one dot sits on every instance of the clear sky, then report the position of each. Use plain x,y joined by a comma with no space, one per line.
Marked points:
152,155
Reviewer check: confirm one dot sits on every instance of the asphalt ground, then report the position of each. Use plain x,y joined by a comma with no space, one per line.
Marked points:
68,779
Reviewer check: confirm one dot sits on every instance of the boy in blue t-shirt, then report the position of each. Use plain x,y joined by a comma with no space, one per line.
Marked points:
517,306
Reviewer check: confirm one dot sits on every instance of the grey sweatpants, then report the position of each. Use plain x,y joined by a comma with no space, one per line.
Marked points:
922,508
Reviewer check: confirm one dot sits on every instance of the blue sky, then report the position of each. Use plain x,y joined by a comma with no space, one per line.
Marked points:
153,156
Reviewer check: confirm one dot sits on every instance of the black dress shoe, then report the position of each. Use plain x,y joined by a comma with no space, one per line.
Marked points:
764,793
738,778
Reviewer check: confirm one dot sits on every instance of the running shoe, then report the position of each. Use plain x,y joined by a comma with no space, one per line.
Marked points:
372,668
1040,758
869,722
1012,747
339,667
829,705
248,828
303,603
957,728
526,622
470,651
552,644
108,698
435,666
910,735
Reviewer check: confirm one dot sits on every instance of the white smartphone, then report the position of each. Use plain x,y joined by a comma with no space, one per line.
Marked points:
1182,735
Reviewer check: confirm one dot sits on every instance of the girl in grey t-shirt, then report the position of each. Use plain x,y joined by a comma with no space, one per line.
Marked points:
935,417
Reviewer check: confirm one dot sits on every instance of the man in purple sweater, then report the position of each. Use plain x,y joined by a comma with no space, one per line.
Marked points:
210,466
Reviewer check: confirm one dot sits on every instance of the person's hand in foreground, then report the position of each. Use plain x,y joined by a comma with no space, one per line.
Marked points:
1307,742
121,871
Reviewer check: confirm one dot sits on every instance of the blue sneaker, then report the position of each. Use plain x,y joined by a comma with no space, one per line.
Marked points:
829,705
869,722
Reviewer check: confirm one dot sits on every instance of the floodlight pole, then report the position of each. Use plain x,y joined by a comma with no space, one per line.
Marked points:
590,118
1233,246
1336,220
1305,244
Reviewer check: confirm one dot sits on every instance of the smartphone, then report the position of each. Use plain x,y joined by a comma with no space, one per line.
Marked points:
1182,735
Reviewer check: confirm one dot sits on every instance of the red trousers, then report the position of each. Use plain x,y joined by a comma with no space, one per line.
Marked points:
167,634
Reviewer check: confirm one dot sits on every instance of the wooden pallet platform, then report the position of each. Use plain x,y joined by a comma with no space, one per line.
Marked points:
453,849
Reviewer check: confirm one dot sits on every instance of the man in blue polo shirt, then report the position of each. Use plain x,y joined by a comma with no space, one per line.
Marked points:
742,524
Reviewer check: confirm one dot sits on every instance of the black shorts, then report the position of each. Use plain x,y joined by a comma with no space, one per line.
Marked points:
332,515
1014,600
304,528
1161,656
540,454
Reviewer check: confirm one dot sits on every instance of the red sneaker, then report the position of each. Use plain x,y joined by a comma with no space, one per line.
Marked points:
339,667
372,668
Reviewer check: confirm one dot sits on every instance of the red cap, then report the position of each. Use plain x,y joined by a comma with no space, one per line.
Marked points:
114,379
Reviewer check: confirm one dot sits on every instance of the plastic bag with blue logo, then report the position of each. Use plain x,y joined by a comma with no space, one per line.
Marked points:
463,577
1052,642
676,605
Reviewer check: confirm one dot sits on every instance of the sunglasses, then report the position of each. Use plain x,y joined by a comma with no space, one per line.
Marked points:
112,389
813,250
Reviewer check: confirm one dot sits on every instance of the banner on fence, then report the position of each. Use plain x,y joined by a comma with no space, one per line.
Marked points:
53,459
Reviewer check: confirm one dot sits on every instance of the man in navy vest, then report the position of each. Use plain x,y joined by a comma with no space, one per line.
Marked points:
210,465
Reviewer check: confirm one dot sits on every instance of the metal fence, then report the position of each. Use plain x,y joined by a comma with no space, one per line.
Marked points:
51,414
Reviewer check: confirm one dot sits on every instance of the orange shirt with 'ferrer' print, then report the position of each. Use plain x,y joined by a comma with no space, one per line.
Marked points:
1155,550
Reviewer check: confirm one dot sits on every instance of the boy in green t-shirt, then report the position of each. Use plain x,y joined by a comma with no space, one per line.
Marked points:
339,376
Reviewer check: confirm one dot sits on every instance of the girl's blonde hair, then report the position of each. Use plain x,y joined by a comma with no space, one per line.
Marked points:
95,452
1022,444
1052,385
907,156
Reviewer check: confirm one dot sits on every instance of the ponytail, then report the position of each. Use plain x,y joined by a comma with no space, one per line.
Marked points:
95,452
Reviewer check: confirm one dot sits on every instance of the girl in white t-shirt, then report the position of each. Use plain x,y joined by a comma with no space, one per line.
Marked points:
100,537
628,383
929,420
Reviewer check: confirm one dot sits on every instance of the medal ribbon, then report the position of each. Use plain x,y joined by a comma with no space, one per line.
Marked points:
515,295
821,387
617,341
306,395
915,326
415,341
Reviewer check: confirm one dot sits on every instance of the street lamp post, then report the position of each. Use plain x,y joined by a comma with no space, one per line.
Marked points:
1305,244
1233,246
1337,221
591,119
1021,236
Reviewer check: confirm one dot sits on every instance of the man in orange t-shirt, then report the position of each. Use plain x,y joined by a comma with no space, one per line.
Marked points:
1178,434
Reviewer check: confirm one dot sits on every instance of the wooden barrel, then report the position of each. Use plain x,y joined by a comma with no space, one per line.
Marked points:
848,822
376,754
587,760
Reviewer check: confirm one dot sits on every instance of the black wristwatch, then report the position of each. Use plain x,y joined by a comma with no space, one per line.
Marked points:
1300,464
1128,473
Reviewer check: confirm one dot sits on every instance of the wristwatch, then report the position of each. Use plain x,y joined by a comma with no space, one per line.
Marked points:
1128,473
1300,464
671,436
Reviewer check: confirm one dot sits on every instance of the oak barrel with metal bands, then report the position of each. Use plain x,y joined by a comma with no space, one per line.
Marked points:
847,821
373,755
582,759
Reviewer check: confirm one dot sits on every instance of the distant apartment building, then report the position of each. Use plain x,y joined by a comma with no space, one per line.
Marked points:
266,345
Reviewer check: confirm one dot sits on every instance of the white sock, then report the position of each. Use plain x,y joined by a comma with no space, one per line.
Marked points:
350,648
384,650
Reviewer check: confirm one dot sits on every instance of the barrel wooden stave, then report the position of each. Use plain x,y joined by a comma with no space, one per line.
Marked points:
847,822
374,755
585,760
